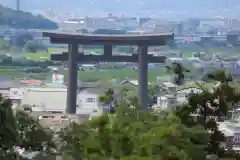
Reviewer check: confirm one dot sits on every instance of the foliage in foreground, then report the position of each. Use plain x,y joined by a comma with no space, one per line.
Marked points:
135,134
18,130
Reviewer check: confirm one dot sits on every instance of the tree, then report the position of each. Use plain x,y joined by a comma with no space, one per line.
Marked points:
4,45
32,46
134,134
21,40
179,71
209,106
19,130
108,99
24,20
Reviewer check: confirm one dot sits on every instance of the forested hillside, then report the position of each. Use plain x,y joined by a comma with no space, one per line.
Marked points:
25,20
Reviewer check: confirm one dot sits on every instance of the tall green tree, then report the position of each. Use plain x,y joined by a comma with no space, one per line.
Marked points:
210,105
179,71
4,45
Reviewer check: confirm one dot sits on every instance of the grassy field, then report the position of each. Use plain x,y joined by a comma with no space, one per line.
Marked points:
43,56
91,76
117,74
186,53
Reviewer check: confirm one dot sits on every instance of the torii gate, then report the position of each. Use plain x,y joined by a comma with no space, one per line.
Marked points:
73,57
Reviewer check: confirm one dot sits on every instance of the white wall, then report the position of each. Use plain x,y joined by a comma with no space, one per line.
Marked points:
51,101
87,100
55,100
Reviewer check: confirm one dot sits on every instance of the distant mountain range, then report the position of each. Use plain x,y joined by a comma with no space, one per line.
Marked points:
24,20
162,8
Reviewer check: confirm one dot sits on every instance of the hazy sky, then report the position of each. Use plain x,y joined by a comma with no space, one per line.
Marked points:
168,8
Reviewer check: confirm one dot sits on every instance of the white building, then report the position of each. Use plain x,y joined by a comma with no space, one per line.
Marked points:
174,97
171,60
54,100
232,132
16,95
88,67
167,102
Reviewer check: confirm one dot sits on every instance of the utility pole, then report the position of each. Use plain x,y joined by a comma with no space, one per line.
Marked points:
18,5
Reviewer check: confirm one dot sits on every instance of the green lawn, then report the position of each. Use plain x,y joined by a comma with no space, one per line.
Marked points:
117,74
43,56
11,72
187,54
94,76
40,56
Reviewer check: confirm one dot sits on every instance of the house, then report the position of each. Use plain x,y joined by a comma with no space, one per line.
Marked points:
45,99
88,67
133,82
174,96
16,95
88,101
231,130
55,99
167,102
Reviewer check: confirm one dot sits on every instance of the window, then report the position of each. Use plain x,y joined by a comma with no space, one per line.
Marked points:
171,101
237,138
90,100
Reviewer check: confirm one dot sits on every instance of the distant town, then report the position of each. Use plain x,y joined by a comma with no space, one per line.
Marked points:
39,84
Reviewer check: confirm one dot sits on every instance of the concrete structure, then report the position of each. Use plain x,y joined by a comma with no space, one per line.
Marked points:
73,57
54,100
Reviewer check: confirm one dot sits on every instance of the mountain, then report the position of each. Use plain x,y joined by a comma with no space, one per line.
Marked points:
174,8
20,19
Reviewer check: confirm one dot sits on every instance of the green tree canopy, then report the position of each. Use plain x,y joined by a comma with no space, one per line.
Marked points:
135,134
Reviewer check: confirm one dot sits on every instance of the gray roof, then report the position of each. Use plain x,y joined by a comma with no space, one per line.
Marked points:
95,90
5,85
87,84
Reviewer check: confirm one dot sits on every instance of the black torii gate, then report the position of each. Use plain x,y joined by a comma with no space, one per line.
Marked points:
73,57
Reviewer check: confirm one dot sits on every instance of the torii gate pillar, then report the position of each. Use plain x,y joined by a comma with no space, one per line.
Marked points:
143,76
72,78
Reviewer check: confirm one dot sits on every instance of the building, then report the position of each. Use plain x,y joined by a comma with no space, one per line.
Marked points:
88,67
231,130
167,102
174,97
54,100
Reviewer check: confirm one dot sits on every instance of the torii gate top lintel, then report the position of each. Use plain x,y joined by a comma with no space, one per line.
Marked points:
147,40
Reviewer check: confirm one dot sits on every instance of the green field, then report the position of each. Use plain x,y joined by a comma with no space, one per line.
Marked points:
118,74
42,56
90,76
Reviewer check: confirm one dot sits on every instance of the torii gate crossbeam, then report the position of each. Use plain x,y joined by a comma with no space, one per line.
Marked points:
73,57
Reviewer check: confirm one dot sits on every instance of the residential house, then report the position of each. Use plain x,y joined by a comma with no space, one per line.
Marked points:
231,130
54,99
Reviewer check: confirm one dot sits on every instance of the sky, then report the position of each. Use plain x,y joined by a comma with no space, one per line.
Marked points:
162,8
